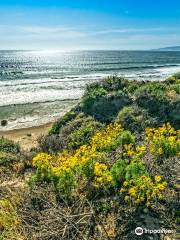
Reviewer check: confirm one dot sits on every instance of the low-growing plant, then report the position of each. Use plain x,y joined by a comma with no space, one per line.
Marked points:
174,78
58,169
103,176
62,121
126,138
71,136
10,222
83,134
152,97
135,169
143,190
118,171
132,151
7,159
66,183
50,143
114,83
164,141
8,146
174,115
80,137
107,139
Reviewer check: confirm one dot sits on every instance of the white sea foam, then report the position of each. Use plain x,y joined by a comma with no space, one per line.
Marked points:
36,96
166,71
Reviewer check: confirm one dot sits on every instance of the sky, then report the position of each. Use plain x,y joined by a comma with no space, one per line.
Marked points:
89,25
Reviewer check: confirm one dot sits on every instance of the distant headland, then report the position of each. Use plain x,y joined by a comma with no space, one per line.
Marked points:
172,48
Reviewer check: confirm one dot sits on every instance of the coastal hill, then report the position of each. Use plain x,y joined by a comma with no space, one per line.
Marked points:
173,48
106,167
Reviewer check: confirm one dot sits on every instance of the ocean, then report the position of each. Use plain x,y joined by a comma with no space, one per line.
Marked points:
37,87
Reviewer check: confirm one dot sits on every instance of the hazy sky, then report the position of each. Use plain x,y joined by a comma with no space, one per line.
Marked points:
93,24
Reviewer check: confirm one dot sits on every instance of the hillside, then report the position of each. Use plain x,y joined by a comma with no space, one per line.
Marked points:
109,165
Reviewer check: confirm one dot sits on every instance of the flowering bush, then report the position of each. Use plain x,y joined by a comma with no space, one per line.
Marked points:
122,170
64,168
42,160
164,141
143,190
108,139
87,162
102,174
132,151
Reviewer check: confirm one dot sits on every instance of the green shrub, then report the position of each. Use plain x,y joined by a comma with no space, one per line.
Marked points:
144,190
157,105
10,222
66,183
78,131
91,95
177,75
9,146
7,158
50,143
71,135
66,118
156,88
114,83
135,118
80,136
118,171
174,115
174,78
126,138
135,170
106,108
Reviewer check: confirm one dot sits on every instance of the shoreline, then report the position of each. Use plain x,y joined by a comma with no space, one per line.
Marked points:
26,137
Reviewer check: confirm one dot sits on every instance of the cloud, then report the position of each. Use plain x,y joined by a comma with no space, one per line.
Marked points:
132,30
70,32
41,31
63,31
57,37
73,32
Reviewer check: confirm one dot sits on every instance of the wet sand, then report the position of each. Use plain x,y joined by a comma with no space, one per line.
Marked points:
27,137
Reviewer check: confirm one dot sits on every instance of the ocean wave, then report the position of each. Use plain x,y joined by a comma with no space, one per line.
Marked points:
24,97
52,79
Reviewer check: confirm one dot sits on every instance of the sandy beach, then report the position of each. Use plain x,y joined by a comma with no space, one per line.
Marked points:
27,137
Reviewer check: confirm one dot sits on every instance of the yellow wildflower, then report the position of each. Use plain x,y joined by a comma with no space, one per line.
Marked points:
42,160
157,178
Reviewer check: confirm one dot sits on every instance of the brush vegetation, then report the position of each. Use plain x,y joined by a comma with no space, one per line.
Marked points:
106,167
